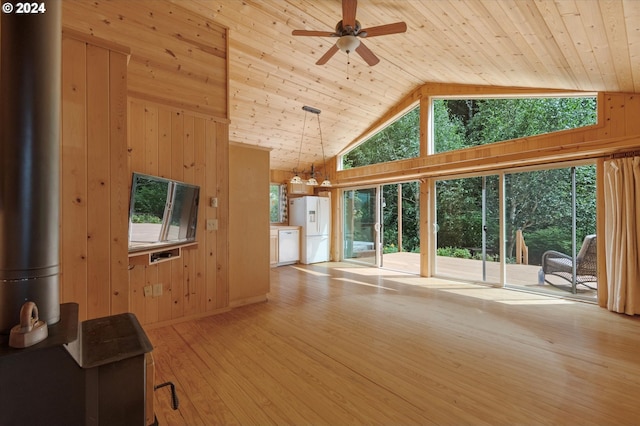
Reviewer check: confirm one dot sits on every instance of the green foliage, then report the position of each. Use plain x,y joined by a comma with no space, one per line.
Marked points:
551,238
391,248
145,218
151,197
540,203
448,129
461,253
489,257
459,212
399,140
275,194
474,122
537,202
534,200
585,201
410,215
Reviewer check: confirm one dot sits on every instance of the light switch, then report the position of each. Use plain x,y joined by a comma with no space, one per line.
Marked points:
157,290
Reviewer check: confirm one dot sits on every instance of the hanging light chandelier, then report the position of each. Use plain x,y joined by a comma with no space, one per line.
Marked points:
296,179
312,181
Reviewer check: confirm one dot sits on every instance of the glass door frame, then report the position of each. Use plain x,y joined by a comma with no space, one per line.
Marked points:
433,257
502,173
377,225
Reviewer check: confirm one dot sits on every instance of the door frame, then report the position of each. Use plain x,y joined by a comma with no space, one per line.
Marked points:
377,225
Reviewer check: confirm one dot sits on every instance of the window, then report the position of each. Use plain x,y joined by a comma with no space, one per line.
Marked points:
463,123
398,141
278,203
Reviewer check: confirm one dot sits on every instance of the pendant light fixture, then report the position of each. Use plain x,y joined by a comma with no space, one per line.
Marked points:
296,179
326,182
312,181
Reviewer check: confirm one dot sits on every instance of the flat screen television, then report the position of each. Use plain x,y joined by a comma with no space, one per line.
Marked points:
162,212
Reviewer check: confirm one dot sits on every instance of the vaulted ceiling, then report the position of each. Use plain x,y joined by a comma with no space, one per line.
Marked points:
585,45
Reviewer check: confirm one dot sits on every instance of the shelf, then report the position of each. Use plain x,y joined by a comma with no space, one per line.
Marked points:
159,255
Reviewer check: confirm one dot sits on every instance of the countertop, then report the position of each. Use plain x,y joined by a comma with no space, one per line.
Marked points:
283,227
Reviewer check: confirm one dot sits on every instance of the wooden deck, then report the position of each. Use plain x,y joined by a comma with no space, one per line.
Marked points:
341,344
518,276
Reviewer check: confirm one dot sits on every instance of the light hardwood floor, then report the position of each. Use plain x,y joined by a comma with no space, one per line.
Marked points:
339,344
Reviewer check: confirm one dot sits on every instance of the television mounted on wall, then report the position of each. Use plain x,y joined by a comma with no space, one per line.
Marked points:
162,212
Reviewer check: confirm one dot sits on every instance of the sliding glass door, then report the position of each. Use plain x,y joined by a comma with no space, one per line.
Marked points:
400,234
548,226
468,229
550,221
361,225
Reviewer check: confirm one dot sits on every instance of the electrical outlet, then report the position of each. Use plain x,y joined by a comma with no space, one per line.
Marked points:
148,292
157,290
213,202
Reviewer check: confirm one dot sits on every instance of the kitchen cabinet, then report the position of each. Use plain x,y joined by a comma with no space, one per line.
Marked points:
273,247
299,189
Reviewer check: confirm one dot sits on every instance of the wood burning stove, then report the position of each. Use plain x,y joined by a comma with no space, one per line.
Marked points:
89,373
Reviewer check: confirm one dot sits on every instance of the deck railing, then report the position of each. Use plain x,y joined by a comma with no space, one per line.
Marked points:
522,251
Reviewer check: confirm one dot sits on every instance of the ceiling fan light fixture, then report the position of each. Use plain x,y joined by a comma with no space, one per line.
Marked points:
348,43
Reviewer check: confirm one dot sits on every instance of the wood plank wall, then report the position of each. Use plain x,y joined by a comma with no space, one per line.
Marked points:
140,96
181,145
178,58
249,224
94,196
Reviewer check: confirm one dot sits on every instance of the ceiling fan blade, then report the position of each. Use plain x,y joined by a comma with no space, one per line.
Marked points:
397,27
367,54
332,51
313,33
349,13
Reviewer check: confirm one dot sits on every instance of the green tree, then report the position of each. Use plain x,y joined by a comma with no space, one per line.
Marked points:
410,198
151,197
538,203
448,129
398,141
493,120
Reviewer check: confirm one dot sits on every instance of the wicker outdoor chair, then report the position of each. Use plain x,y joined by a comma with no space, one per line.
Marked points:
560,264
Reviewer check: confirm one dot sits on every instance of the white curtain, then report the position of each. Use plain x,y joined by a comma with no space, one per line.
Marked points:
622,236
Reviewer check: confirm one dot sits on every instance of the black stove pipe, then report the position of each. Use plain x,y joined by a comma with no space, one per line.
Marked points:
30,69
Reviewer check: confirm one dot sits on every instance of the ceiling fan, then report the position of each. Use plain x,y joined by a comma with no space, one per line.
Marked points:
350,32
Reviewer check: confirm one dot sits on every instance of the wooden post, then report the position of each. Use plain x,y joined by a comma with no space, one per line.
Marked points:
399,218
522,251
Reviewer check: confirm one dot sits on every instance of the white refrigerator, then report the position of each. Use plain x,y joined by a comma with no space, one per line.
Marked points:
313,215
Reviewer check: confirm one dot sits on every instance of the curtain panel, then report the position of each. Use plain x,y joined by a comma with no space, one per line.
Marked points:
622,236
284,204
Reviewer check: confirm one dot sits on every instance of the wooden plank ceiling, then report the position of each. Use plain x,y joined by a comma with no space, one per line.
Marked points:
586,45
